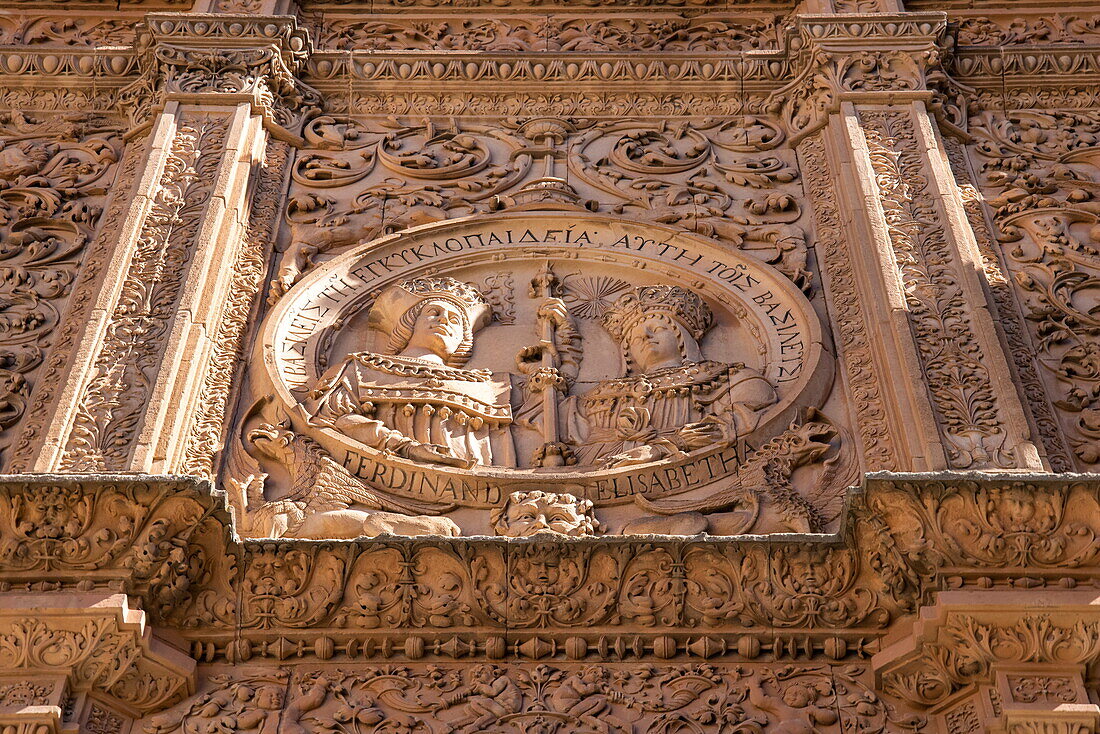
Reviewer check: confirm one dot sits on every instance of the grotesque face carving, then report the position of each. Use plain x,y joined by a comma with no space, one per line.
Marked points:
655,342
528,513
439,328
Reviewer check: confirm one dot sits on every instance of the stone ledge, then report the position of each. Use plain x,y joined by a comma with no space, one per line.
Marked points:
169,541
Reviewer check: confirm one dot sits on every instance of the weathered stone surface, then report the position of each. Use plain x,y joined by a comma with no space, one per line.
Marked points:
544,366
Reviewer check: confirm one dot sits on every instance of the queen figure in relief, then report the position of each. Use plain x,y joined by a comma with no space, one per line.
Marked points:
415,399
670,400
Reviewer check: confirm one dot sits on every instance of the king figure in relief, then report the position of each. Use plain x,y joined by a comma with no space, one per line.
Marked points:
416,400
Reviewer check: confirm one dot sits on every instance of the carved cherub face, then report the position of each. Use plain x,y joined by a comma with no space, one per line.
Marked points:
655,342
439,329
528,513
798,696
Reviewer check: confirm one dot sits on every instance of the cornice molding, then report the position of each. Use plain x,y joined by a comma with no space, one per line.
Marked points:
92,642
1000,657
168,541
222,59
820,60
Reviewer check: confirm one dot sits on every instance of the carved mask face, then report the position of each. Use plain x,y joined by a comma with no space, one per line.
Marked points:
439,329
798,696
654,343
1017,510
541,571
537,515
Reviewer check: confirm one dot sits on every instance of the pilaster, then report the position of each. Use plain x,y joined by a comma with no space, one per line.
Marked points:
869,100
217,97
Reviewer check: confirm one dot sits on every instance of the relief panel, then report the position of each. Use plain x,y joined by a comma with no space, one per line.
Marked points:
1039,173
548,699
547,347
55,172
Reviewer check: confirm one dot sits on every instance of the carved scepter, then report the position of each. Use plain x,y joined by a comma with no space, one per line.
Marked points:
548,378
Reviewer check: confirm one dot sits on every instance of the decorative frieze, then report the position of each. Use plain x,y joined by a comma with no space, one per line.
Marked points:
1021,28
1017,533
546,698
538,598
41,29
580,34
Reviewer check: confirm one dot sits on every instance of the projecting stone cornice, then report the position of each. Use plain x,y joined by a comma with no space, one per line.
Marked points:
1019,664
221,59
812,65
168,541
1045,65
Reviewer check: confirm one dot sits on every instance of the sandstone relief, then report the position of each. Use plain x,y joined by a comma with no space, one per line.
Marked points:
549,699
680,391
549,366
1040,182
676,389
54,177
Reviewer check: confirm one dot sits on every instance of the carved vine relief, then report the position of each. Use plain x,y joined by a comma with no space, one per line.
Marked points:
536,350
54,174
545,698
732,179
1040,174
543,33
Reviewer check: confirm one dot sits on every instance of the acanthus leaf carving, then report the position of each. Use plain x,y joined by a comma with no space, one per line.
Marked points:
969,414
594,698
1041,185
53,174
110,408
236,56
1012,531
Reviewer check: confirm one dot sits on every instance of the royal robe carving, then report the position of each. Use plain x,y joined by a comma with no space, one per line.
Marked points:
670,400
415,400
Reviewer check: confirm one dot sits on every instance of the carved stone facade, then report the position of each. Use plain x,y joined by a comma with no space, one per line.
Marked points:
633,366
